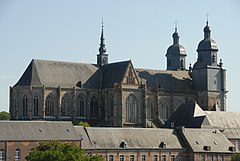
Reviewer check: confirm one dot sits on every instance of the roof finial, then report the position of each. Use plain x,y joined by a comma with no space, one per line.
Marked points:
102,23
207,15
175,25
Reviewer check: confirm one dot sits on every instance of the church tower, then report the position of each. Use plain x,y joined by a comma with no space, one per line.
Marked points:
209,77
102,57
176,54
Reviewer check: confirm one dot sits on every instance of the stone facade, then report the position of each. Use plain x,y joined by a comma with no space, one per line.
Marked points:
117,94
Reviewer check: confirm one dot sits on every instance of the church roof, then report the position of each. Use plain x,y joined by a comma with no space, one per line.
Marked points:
67,74
111,138
114,73
56,73
167,80
37,130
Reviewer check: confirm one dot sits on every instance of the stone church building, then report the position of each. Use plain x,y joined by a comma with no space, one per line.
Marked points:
118,94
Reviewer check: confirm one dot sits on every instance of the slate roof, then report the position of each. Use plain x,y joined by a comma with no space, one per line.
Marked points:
227,122
165,79
37,131
111,138
56,73
68,74
198,138
189,115
114,73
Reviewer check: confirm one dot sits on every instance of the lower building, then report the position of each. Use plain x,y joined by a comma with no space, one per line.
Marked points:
18,138
156,144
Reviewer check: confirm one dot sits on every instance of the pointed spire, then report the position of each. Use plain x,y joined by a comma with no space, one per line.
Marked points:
102,48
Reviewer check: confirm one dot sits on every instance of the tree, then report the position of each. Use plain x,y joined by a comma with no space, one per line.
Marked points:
81,123
4,115
57,151
236,157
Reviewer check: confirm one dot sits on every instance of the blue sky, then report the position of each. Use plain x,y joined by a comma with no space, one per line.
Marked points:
137,30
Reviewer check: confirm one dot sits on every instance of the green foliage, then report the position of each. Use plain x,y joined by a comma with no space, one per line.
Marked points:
57,151
81,123
236,157
84,124
4,115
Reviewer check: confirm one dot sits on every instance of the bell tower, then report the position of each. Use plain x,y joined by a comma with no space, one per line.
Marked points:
209,77
176,54
102,57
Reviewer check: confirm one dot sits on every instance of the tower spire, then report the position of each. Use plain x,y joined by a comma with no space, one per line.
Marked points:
102,57
102,48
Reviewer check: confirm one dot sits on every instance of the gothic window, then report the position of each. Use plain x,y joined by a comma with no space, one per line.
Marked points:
49,106
35,105
65,105
177,103
25,105
131,109
80,112
150,108
163,110
94,107
130,77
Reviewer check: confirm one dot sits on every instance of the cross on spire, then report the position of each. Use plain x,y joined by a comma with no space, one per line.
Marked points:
207,15
175,25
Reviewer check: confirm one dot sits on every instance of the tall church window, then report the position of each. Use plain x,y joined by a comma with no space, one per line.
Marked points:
130,77
25,105
35,105
80,106
163,110
94,107
150,108
49,106
65,105
131,109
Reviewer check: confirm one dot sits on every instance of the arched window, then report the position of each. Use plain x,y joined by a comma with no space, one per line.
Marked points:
49,106
25,105
94,107
150,108
65,105
2,155
177,103
130,77
35,105
17,155
80,106
163,108
131,109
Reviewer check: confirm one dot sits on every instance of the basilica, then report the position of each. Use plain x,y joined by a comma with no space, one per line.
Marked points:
116,94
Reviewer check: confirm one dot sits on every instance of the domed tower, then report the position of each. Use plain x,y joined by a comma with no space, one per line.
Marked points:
102,57
176,54
209,78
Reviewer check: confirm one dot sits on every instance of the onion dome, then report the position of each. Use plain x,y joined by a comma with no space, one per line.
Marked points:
176,48
207,43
